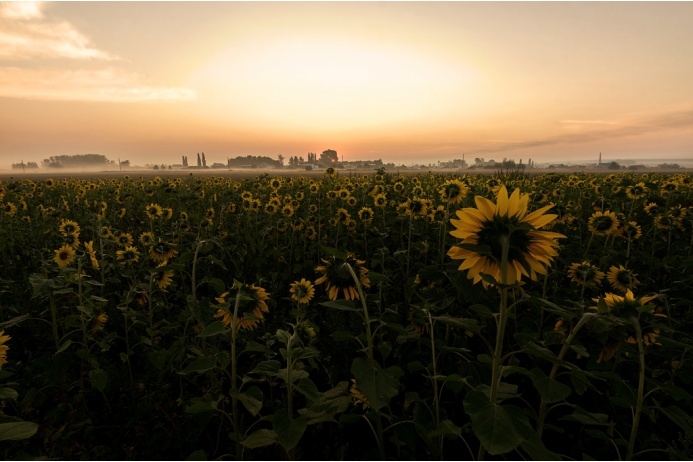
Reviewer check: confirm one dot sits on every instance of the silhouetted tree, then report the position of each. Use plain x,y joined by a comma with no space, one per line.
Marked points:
204,161
199,160
329,156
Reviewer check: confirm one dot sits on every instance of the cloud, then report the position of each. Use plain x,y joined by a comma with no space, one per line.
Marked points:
595,130
27,34
101,85
52,54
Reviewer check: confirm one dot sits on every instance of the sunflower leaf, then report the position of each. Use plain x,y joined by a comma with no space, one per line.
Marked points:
499,428
17,430
377,384
333,252
215,328
345,305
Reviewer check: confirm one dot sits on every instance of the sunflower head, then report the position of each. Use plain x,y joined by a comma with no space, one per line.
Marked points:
128,255
335,273
625,306
3,347
486,229
585,274
64,256
622,279
302,291
603,223
252,304
453,191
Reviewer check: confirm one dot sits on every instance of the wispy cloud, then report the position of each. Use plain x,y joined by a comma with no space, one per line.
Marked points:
29,38
102,85
595,130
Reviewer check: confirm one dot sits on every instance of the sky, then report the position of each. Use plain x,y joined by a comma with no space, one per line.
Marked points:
404,82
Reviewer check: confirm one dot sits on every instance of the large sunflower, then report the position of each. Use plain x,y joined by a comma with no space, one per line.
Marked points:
603,223
338,277
530,250
453,191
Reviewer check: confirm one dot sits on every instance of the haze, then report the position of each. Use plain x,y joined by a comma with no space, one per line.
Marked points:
402,82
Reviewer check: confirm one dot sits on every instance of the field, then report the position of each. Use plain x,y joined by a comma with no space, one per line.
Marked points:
355,316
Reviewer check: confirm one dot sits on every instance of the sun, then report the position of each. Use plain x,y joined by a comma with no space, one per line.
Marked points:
329,84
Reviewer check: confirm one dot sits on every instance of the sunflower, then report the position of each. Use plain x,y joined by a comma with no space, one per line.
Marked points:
167,213
625,306
3,347
252,305
302,291
622,279
310,233
287,211
146,238
128,255
72,240
585,274
366,215
358,396
380,200
163,278
453,191
530,251
124,239
64,256
153,211
10,209
336,274
68,227
89,247
98,322
603,223
415,207
162,251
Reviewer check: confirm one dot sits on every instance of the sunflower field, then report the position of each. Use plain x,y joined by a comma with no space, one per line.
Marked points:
384,316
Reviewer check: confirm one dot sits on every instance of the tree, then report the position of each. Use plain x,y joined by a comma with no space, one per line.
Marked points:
280,159
199,160
329,156
204,161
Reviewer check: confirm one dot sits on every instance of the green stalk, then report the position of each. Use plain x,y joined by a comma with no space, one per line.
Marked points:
54,314
234,387
436,399
501,322
641,389
554,370
369,352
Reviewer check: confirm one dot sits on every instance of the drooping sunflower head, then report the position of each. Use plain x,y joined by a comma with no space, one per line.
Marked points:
603,223
252,304
64,256
585,274
622,279
302,291
335,272
489,227
625,306
99,321
163,279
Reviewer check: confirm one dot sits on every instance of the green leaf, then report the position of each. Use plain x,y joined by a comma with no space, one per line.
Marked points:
308,389
330,403
63,347
341,336
333,252
201,406
551,391
260,438
500,429
462,323
98,379
251,399
446,428
378,385
483,311
588,418
345,305
8,393
200,454
200,365
215,328
270,367
536,450
158,358
289,431
17,430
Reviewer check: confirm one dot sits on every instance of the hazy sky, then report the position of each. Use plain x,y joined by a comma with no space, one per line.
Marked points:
402,81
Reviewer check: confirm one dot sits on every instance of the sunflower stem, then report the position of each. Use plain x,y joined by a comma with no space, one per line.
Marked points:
369,352
641,389
434,382
234,365
501,322
554,370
